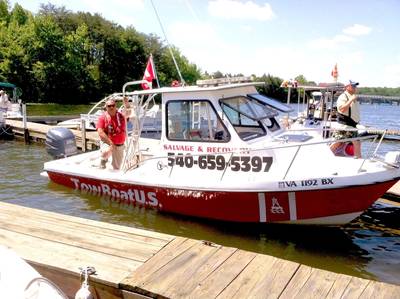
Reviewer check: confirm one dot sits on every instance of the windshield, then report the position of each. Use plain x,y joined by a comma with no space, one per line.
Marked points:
247,116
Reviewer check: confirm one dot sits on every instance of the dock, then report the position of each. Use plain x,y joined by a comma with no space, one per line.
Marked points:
135,263
393,193
38,131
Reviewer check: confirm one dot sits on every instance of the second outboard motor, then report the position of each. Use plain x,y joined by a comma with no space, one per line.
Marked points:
60,142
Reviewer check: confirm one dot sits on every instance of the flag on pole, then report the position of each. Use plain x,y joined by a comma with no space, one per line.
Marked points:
149,74
335,73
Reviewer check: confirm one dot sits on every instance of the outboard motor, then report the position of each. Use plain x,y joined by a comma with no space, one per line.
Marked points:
60,142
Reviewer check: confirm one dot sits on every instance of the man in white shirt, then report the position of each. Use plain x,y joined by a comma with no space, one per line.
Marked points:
349,115
5,103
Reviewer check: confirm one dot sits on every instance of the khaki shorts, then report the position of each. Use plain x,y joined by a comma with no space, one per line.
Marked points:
117,155
344,134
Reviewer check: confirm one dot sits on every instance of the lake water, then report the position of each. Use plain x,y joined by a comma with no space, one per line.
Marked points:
369,247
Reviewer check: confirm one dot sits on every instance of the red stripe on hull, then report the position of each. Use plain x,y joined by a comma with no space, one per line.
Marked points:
234,206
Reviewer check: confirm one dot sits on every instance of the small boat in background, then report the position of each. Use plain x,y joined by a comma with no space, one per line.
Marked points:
10,108
150,120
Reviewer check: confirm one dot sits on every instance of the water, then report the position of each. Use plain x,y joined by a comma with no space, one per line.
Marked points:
369,247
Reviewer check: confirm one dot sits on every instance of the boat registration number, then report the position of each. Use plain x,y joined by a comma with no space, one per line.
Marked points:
219,162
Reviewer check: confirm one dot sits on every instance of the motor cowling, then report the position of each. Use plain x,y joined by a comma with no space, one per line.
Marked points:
60,142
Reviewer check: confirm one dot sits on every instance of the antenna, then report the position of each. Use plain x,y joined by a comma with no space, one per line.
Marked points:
169,46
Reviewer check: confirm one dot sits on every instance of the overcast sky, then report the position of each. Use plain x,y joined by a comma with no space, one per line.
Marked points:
284,38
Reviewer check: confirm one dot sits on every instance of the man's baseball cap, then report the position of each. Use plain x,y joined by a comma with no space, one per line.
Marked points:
353,83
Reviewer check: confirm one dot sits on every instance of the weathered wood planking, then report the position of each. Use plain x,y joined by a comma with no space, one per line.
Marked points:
394,192
57,245
190,269
39,131
133,263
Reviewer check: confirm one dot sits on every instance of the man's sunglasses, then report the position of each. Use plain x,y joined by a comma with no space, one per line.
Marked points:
109,106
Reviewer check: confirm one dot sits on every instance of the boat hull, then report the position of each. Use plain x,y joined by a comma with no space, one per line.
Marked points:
333,206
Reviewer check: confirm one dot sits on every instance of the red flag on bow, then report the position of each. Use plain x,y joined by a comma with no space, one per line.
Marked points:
149,74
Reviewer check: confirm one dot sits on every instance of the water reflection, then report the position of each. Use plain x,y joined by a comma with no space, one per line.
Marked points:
377,232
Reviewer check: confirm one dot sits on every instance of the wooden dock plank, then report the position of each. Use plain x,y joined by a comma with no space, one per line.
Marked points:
319,284
394,192
199,272
88,231
297,282
178,270
264,277
170,267
47,231
379,290
110,269
355,288
71,242
339,286
85,224
136,280
220,278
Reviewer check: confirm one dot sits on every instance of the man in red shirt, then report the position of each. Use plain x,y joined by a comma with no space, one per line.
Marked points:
111,127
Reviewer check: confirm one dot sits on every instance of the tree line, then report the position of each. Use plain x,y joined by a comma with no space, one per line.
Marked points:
60,56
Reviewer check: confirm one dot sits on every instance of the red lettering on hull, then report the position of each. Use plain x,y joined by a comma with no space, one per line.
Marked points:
236,206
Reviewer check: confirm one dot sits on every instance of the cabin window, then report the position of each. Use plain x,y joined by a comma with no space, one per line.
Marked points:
249,116
195,121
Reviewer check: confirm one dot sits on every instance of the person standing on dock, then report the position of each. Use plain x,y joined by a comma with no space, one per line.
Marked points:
348,114
111,127
5,103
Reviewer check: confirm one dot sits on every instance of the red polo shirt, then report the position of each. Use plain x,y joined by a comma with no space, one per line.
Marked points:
113,126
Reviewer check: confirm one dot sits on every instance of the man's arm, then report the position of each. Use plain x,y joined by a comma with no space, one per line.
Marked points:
104,137
127,111
346,104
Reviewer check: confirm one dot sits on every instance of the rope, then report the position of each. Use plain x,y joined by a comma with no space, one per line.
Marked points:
6,130
169,46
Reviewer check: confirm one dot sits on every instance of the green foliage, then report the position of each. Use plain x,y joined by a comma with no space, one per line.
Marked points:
64,57
75,58
382,91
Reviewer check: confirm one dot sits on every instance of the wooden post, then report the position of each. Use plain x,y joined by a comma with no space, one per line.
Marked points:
26,131
83,134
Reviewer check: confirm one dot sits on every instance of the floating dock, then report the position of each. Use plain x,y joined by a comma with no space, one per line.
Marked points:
135,263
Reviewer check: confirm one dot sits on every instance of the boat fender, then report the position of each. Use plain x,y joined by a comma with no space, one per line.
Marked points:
84,292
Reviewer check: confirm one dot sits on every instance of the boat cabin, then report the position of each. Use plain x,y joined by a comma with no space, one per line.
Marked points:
215,112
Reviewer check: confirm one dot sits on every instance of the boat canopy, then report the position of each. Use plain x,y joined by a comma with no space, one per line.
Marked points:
271,102
7,85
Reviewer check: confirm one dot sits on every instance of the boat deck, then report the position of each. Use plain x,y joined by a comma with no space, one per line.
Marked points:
135,263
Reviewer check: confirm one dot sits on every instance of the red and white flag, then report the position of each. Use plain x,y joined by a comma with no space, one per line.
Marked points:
149,74
334,72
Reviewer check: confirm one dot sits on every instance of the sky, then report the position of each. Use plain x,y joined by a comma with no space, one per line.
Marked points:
283,38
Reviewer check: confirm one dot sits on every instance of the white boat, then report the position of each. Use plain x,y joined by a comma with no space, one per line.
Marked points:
317,114
18,280
316,106
151,118
223,155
